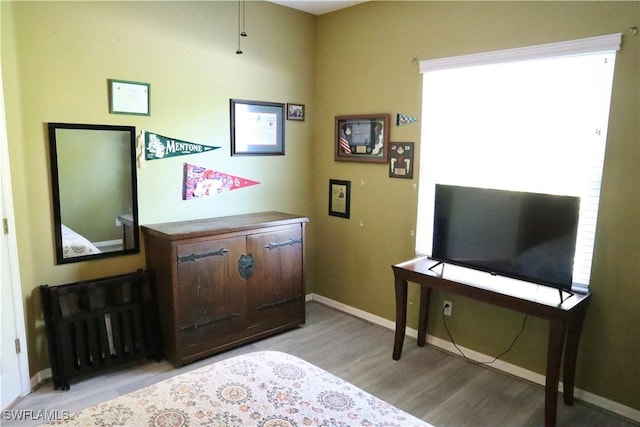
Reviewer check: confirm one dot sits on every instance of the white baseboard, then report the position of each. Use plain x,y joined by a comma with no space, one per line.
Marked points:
40,377
517,371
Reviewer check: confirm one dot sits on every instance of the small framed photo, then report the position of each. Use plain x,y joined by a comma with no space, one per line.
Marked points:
362,138
401,160
126,97
295,112
257,128
339,198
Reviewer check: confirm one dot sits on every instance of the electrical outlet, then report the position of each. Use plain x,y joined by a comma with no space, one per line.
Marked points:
447,306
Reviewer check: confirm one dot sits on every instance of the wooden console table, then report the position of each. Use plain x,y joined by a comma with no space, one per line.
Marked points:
565,319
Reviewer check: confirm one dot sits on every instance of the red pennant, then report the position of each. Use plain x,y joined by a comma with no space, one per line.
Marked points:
198,181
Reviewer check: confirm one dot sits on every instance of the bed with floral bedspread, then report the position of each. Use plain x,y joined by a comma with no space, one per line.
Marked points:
75,244
266,388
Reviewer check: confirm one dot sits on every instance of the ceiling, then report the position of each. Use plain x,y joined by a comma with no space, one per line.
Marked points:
317,7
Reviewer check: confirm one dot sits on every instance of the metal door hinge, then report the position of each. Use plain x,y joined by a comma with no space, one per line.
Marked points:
194,257
5,225
289,242
17,341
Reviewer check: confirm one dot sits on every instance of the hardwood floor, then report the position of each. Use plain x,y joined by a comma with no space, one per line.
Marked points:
429,383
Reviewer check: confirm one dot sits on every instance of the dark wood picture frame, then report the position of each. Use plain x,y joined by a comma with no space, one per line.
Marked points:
295,112
257,128
401,163
362,138
339,198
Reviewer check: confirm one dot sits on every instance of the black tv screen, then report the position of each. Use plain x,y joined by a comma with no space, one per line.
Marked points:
527,236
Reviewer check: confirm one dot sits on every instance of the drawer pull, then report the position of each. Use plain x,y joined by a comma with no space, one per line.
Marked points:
289,242
195,326
278,303
194,257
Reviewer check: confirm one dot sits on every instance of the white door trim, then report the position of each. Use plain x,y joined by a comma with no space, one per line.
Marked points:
12,243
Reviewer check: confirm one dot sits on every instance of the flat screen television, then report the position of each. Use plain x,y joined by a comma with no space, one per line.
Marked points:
527,236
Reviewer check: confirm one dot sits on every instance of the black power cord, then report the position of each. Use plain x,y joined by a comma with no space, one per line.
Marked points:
464,356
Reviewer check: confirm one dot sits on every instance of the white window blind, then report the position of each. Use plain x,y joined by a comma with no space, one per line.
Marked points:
528,119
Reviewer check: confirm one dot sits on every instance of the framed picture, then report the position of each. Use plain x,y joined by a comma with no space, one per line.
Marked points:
257,128
339,198
363,138
295,112
126,97
401,160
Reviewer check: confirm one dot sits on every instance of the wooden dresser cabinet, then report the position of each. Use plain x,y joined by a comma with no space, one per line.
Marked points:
222,282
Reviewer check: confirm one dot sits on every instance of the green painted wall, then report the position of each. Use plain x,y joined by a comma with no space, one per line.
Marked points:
57,57
56,60
367,64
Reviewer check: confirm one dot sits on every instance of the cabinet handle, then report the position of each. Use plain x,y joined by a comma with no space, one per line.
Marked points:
277,303
289,242
194,257
195,326
245,266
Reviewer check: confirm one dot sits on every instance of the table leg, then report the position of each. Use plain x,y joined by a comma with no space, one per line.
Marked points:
554,359
423,322
401,317
574,329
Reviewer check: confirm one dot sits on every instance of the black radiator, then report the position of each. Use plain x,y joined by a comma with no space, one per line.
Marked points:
95,325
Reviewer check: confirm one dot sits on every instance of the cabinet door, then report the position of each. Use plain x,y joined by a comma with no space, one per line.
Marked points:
210,294
275,289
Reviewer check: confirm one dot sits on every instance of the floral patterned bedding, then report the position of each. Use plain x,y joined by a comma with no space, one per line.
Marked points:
74,244
267,388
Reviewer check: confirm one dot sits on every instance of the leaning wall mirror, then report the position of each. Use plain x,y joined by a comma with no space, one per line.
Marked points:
93,183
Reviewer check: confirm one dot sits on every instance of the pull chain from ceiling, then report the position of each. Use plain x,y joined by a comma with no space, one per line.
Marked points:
241,30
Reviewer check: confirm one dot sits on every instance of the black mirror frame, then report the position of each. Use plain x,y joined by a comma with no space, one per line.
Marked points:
55,189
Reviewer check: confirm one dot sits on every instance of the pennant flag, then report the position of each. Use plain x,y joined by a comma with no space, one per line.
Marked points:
202,182
403,119
160,147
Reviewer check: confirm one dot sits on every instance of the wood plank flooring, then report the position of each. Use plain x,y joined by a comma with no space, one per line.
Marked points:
429,383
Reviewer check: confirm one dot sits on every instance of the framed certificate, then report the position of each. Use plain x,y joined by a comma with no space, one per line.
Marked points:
257,128
362,138
127,97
